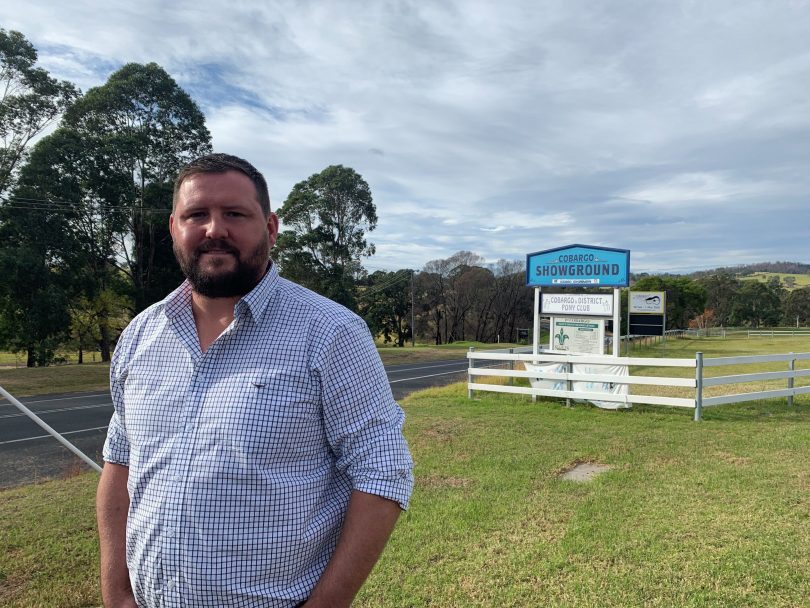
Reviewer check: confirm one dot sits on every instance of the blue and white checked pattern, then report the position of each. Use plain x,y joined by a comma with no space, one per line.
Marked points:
242,459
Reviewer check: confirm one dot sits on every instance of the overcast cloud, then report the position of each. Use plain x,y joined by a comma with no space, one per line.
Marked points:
676,129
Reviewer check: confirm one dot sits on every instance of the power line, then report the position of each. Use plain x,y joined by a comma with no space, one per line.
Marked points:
57,206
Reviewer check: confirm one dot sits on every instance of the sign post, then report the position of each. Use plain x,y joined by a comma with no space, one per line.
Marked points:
646,314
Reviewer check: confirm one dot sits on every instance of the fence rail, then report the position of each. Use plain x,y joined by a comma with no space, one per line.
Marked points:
476,374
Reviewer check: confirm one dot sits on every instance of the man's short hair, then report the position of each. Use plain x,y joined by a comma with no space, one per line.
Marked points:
221,163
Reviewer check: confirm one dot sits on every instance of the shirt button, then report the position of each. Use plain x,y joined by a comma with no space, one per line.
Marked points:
170,532
170,585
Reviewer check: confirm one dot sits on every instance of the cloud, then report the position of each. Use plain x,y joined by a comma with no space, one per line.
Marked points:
678,130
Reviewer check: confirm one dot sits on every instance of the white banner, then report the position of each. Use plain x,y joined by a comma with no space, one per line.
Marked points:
584,386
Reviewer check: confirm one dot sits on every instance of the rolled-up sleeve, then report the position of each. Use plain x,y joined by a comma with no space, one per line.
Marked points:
116,446
363,422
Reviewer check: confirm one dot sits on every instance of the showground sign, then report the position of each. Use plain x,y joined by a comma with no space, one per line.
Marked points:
582,265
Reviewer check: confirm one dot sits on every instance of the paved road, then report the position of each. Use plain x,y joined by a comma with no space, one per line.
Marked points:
28,454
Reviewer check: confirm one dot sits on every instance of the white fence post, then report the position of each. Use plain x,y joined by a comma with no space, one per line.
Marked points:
792,368
511,366
469,375
698,386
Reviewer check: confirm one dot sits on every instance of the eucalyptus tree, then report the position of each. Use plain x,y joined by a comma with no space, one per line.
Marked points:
385,304
36,256
30,101
138,130
108,169
326,218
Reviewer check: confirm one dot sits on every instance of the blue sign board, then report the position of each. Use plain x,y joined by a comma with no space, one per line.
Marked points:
578,265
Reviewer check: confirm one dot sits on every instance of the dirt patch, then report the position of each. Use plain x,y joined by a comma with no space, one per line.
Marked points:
583,471
442,481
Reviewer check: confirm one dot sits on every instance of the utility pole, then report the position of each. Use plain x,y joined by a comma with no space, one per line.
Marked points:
413,313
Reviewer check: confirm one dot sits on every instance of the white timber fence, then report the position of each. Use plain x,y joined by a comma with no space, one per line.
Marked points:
481,368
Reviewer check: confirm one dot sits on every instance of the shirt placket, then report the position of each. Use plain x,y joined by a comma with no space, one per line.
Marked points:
176,547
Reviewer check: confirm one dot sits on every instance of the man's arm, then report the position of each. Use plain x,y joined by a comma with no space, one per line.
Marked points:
369,522
112,504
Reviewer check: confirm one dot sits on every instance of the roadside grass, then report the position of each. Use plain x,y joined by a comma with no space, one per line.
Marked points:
709,514
394,355
23,381
690,514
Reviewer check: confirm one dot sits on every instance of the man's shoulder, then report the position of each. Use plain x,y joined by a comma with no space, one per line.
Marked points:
313,304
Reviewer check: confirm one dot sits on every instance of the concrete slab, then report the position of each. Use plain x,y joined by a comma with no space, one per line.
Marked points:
584,471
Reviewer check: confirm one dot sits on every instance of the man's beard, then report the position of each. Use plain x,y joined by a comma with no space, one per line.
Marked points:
235,283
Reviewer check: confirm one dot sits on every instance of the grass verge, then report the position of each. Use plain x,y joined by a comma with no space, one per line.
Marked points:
695,515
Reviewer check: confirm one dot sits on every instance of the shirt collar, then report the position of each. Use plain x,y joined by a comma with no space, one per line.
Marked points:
254,302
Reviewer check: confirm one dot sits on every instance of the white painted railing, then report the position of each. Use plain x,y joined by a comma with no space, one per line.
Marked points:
775,333
478,371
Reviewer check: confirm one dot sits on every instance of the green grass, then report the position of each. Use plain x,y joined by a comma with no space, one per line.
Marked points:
392,355
23,381
710,514
801,280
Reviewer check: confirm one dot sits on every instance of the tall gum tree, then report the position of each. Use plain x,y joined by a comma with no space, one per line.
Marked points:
30,101
139,129
326,218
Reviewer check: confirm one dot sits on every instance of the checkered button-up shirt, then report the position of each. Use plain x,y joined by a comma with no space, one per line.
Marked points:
242,459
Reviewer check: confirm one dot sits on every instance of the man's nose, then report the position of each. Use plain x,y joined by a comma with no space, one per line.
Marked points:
216,227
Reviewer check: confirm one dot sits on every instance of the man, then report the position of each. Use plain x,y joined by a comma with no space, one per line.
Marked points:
255,456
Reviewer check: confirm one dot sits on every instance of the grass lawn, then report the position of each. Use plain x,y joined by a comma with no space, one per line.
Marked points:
55,379
392,355
800,280
691,514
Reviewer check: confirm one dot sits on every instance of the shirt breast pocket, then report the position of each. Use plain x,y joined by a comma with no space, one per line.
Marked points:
279,422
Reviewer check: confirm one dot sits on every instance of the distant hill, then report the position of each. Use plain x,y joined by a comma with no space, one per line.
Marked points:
744,270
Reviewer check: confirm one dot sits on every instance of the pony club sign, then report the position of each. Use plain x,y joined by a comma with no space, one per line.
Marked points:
578,265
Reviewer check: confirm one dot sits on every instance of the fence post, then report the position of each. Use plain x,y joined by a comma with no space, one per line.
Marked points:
511,366
569,369
469,375
792,368
698,386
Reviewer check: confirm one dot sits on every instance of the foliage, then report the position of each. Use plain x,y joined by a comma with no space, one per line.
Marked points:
30,101
107,173
36,255
385,304
797,306
326,218
757,304
462,298
138,130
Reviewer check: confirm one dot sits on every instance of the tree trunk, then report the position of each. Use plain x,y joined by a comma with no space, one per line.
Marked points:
104,343
32,358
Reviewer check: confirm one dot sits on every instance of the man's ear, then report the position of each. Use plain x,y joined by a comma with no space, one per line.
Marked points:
272,228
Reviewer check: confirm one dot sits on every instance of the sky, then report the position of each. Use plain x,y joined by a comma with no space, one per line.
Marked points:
677,129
